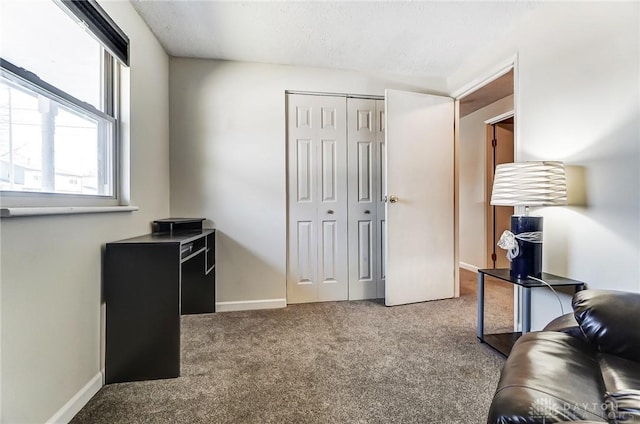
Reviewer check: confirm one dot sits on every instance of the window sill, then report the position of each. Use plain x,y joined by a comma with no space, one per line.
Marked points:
65,210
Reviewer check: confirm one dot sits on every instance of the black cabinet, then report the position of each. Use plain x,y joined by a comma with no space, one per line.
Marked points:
198,277
148,282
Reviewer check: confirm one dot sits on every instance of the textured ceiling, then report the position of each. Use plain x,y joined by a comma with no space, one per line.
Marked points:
426,39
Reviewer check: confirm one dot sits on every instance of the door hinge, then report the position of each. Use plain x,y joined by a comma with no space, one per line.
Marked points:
494,142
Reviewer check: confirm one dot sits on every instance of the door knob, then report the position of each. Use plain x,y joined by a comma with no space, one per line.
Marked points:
330,212
367,212
393,198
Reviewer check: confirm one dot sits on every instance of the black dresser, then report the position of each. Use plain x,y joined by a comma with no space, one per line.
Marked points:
149,281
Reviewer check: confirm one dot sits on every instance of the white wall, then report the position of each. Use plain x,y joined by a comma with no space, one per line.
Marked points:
578,96
472,174
51,266
228,160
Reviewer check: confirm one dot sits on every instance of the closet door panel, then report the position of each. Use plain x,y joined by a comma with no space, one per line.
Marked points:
317,198
364,197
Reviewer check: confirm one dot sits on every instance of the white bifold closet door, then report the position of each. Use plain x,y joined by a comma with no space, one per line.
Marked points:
365,140
317,199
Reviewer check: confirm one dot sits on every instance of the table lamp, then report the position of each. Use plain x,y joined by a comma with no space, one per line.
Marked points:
527,184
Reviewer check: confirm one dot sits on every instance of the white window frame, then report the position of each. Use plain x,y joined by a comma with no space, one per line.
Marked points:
17,203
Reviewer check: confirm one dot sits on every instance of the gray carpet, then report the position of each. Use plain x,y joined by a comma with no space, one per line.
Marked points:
336,362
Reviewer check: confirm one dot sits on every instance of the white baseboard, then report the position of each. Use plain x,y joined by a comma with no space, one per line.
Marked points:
248,305
469,267
80,399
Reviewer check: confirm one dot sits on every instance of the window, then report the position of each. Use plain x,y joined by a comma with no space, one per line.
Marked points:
59,86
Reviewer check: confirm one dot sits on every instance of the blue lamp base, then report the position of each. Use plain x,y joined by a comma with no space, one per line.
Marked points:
529,260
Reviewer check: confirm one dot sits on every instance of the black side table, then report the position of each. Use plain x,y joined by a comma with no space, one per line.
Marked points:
503,342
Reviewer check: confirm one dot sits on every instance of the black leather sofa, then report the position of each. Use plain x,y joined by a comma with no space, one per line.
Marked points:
583,367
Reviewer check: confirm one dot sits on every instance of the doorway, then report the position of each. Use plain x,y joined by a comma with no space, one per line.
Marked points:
486,114
492,103
499,150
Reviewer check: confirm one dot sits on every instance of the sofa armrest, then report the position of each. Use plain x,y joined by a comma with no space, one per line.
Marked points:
609,320
549,377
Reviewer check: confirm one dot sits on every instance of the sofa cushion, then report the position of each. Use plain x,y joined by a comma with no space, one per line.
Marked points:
624,407
622,381
549,377
609,319
618,373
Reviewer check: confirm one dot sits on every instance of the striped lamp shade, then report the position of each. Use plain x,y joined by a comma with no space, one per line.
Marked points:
529,184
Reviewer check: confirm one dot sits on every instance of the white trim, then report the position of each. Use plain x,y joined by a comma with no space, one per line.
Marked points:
516,108
80,399
249,305
517,323
64,210
499,118
502,68
469,267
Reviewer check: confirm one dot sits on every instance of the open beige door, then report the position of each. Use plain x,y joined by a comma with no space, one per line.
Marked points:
419,190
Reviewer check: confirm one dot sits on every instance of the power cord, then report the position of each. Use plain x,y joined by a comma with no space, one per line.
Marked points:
554,292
